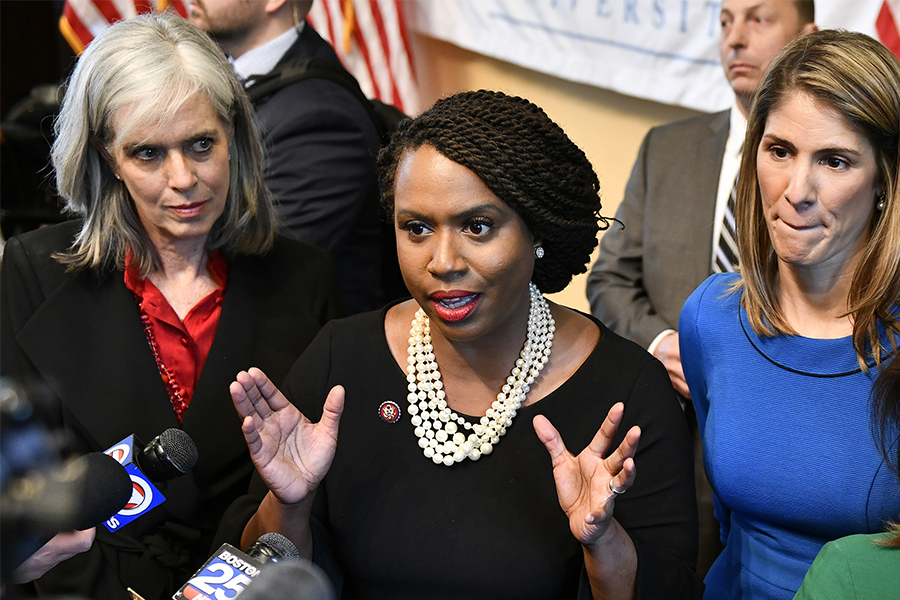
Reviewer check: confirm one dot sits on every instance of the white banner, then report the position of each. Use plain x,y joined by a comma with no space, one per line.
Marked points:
662,50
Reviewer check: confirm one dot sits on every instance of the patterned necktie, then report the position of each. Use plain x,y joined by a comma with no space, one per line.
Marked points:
726,258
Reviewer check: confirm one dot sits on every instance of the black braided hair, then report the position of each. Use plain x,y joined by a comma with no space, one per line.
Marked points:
525,159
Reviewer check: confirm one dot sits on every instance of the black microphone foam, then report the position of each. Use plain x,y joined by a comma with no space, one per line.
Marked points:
168,455
294,580
107,489
273,547
81,494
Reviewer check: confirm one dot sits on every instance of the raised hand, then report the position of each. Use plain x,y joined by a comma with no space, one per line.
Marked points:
584,483
291,453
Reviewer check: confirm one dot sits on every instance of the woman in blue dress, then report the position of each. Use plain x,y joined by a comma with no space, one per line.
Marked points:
780,358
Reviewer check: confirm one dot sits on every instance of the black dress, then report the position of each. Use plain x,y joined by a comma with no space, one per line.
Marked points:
403,527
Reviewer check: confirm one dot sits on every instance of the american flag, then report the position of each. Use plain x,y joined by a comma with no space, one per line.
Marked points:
886,26
369,36
83,20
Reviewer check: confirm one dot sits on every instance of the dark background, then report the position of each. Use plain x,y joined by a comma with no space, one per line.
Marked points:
32,53
32,50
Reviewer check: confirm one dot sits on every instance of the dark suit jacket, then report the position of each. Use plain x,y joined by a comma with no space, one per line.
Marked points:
647,270
79,337
322,148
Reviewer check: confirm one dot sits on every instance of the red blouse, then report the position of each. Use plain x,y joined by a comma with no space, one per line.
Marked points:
180,347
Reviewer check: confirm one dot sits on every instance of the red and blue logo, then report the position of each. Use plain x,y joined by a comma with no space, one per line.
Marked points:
389,411
144,496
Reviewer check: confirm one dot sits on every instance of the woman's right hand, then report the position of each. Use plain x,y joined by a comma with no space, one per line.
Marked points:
291,453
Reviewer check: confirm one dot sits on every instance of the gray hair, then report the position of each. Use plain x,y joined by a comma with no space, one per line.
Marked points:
152,64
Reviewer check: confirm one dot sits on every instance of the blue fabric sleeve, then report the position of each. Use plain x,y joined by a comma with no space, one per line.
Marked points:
700,306
691,352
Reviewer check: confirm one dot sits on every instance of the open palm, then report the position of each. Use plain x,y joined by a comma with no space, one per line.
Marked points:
291,453
583,482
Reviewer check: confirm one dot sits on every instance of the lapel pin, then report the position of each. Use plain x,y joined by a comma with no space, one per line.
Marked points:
389,411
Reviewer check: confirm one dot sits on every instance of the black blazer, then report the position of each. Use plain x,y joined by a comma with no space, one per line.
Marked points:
77,338
322,147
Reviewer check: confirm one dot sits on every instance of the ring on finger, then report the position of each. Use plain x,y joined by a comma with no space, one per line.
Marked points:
616,490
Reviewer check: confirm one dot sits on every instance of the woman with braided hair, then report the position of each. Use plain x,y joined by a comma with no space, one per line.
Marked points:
437,486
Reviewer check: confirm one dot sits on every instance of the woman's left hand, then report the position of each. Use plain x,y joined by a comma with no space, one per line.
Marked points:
584,482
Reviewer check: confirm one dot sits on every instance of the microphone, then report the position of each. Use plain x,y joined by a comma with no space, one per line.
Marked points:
229,571
79,494
273,547
299,580
169,455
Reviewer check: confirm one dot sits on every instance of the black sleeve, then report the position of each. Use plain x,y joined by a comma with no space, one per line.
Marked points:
305,381
27,275
321,164
19,297
660,514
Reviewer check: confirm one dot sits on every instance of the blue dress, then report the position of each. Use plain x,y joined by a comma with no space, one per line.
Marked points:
788,446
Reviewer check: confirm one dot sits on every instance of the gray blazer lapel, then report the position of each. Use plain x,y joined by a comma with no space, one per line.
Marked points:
710,149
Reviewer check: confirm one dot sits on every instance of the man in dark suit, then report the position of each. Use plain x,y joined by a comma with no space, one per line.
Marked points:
681,179
676,196
320,140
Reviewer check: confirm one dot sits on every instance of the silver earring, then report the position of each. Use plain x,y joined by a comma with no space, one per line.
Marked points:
880,204
117,176
539,251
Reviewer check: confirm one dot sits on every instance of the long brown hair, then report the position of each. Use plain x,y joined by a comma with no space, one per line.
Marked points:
859,78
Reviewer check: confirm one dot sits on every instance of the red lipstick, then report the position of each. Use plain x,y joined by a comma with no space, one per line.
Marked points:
454,305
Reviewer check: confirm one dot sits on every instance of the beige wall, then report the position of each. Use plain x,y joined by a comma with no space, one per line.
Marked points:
609,127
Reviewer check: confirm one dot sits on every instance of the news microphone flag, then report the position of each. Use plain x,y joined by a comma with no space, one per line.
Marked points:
83,20
222,577
144,495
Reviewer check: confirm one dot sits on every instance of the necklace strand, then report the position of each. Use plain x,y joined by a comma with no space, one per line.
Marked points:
176,393
437,427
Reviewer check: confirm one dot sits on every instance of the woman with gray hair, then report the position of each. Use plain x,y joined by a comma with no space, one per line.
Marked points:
135,316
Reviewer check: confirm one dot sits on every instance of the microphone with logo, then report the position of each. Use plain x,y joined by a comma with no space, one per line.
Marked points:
169,455
41,494
229,571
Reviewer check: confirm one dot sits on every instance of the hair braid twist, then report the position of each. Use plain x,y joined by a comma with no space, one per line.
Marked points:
526,160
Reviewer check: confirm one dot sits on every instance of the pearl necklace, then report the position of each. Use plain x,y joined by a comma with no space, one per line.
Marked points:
436,425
